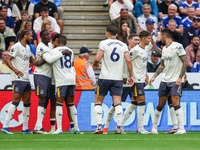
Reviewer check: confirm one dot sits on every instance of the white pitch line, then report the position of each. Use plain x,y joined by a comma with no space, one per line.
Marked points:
186,139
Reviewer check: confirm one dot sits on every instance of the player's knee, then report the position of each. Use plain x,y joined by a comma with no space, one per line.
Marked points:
43,99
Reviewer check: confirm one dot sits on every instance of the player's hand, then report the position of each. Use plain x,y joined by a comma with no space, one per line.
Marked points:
146,80
131,81
178,82
18,73
151,80
67,52
95,66
124,80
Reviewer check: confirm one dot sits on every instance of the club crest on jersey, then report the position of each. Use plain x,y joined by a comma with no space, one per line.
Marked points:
12,50
41,91
41,50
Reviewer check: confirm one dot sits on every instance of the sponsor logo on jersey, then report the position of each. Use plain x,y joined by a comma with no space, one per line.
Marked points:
144,59
167,58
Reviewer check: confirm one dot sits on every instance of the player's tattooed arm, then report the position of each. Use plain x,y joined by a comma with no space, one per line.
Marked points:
160,68
39,62
184,67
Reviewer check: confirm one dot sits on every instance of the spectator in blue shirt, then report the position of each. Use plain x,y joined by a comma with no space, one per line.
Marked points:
187,22
9,21
184,5
176,1
139,5
171,15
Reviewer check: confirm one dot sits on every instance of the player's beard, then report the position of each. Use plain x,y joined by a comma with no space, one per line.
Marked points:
28,41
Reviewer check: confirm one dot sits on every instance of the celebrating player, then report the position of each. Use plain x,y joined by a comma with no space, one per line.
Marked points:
112,53
42,80
132,42
64,74
173,58
20,55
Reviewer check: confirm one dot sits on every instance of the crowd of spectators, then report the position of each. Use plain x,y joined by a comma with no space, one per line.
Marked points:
35,15
182,17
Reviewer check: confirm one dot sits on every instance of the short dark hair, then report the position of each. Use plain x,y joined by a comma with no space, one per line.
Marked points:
167,32
42,32
176,36
24,32
55,36
62,39
45,8
144,34
132,35
195,35
3,7
111,29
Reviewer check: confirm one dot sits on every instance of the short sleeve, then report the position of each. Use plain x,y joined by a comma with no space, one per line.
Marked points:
126,49
181,5
180,50
13,51
133,53
100,47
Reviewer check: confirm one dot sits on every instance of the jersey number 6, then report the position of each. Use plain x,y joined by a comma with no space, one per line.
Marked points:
114,56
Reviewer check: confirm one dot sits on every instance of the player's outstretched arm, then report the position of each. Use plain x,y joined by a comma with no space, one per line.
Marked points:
183,69
9,64
130,68
52,56
158,71
156,48
38,62
97,59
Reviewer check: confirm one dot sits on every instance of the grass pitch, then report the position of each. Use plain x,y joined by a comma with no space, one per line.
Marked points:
87,141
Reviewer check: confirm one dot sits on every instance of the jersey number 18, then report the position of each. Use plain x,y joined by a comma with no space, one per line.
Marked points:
67,62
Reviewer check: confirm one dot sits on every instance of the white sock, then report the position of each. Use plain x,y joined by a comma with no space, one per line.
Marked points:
98,114
173,117
118,114
73,112
11,111
156,118
140,116
128,112
41,113
109,116
52,120
59,113
26,114
179,116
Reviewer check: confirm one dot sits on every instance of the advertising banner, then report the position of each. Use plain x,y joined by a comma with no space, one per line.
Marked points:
84,101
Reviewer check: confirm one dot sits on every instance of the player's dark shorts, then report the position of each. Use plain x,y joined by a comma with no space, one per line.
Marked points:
42,85
52,93
169,89
21,86
126,91
138,89
114,86
64,91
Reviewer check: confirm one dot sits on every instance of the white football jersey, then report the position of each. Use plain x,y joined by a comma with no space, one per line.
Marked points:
112,60
21,58
45,69
139,58
173,64
63,70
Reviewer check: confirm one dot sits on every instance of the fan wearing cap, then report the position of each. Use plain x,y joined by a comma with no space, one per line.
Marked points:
142,18
153,63
189,32
85,77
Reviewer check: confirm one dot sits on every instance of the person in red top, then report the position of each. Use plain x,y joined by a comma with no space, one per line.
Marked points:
85,77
